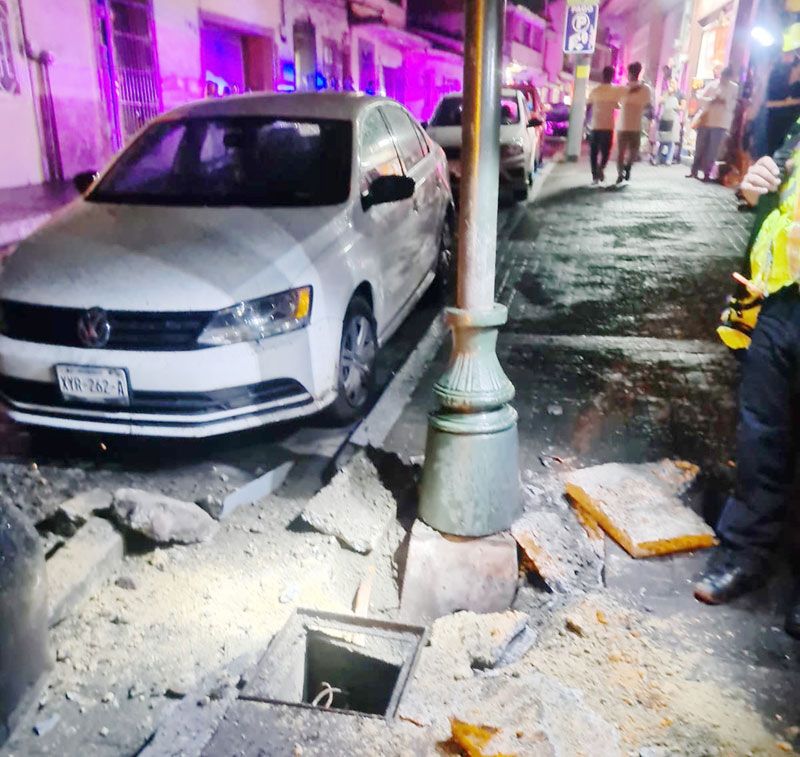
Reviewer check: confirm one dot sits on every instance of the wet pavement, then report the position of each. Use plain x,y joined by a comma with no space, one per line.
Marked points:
613,296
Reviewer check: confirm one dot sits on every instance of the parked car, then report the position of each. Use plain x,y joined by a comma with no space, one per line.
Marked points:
240,263
536,117
519,140
557,120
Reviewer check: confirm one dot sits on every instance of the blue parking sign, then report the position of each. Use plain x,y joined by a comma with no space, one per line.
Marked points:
580,29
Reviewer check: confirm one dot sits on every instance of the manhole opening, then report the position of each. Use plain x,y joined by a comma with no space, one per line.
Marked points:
339,675
337,663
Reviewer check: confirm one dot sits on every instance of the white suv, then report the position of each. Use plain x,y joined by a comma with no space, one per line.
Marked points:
519,139
240,263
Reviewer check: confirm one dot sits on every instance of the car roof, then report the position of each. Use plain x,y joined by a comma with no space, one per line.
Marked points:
504,92
335,105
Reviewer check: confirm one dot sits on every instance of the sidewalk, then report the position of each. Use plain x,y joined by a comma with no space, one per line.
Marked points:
24,209
613,296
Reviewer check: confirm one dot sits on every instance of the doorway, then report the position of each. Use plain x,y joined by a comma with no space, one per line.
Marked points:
305,55
129,76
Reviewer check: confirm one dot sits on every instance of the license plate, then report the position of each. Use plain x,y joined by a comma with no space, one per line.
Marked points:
107,386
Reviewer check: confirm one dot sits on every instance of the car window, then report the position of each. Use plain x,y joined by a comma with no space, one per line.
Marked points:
423,140
377,152
448,112
407,141
509,110
234,160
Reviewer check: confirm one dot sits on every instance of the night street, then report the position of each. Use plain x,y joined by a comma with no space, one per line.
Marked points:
399,378
613,295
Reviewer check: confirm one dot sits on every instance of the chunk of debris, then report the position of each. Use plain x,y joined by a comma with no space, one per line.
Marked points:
266,484
162,519
211,504
445,574
558,551
364,592
125,582
355,506
639,506
42,727
74,512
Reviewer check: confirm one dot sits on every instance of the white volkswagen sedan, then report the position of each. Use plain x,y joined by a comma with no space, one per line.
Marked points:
238,264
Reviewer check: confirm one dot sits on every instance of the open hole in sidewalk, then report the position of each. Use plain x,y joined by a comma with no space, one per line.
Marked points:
349,678
337,663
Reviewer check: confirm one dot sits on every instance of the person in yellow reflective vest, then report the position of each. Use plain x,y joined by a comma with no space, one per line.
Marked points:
763,325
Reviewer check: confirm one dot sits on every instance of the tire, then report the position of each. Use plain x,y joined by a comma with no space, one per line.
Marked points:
356,368
445,281
521,195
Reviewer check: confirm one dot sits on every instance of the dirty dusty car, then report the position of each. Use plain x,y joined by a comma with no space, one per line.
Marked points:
519,139
239,264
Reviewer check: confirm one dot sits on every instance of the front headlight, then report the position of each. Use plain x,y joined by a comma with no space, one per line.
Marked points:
511,150
257,319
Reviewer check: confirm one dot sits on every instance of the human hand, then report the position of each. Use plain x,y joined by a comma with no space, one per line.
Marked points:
762,177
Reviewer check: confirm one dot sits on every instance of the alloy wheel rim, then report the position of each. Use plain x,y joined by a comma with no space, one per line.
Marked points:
358,355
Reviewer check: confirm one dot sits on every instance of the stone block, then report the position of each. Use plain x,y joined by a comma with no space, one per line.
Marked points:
74,512
162,519
559,551
639,506
81,565
445,574
355,506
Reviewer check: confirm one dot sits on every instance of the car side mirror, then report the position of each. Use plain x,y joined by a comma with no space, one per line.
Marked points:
535,121
388,189
84,180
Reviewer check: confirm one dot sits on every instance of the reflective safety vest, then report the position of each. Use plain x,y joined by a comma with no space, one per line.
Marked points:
774,262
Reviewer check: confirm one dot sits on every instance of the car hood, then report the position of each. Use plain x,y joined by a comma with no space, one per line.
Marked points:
450,136
135,257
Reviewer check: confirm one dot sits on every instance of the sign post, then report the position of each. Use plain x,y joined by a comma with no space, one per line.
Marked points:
580,35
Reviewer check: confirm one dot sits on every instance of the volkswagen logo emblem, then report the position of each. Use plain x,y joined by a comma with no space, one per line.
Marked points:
94,330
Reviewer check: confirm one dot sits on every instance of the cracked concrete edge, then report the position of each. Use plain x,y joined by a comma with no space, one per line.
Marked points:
187,727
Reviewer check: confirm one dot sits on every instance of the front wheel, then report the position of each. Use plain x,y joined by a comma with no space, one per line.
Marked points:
445,264
357,354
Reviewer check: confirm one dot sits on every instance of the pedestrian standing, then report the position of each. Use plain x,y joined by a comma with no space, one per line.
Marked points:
717,105
769,396
668,127
634,101
604,100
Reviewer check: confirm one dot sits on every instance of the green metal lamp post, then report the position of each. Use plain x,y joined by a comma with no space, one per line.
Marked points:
470,484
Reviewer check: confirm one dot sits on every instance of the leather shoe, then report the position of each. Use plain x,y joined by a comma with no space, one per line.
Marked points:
726,577
793,615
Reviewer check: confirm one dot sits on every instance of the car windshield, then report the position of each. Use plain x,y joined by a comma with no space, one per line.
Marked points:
234,160
448,113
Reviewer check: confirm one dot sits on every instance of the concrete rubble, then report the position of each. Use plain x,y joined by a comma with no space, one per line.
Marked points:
81,565
74,512
162,519
640,507
355,506
532,714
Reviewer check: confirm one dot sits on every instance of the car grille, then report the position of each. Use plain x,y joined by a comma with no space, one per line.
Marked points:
165,403
130,330
452,153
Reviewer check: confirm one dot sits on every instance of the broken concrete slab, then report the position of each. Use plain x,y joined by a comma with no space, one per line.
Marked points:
81,565
444,574
527,712
189,725
639,506
162,519
557,550
257,489
74,512
355,506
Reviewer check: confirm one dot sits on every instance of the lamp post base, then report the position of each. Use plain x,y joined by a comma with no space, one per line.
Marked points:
470,484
